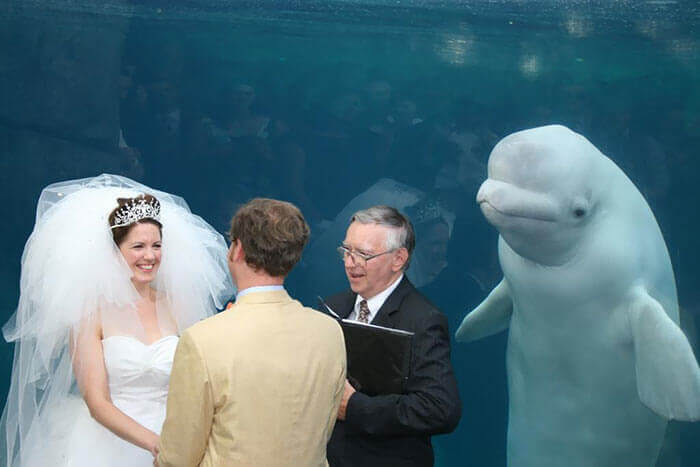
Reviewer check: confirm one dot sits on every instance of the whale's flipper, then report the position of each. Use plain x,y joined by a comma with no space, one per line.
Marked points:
668,376
490,317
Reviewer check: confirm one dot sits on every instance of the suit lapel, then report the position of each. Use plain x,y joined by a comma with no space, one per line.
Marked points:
392,304
343,303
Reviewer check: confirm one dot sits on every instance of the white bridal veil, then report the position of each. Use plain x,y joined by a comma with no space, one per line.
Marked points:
72,272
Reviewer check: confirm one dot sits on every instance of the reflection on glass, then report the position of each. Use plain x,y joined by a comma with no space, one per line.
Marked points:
686,50
455,49
530,66
577,26
651,28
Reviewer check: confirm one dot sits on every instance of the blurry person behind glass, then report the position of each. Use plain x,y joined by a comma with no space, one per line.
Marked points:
432,237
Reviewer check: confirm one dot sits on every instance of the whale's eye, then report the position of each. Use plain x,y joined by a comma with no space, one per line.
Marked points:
580,206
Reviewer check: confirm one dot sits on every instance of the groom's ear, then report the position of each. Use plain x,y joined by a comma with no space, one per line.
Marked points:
231,254
235,251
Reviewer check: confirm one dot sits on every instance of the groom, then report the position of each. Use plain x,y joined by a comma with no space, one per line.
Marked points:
260,383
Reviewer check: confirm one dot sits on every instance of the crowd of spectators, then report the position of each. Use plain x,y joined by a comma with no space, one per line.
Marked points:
240,138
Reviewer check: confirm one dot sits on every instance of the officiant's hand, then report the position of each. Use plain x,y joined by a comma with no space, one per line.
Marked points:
347,394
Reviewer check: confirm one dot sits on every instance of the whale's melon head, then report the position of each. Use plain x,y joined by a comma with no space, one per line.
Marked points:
543,189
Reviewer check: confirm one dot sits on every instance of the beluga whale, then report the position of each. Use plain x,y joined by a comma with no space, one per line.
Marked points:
596,362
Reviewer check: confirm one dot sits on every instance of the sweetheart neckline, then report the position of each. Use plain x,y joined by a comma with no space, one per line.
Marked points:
132,338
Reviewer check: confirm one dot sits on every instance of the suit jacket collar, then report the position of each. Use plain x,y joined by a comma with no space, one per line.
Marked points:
274,296
390,306
345,303
392,303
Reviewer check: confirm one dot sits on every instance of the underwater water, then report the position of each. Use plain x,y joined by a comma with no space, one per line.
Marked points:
338,105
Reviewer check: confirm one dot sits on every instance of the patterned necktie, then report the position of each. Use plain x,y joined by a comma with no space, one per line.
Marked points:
363,316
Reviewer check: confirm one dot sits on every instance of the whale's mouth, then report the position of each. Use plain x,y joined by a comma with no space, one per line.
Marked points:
502,201
520,212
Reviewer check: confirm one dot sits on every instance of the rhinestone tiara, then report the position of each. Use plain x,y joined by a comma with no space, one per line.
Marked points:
135,211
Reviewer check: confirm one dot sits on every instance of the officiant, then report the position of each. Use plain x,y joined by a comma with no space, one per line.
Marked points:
392,429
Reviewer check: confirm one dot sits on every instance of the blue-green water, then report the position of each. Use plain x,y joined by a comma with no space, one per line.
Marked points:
319,102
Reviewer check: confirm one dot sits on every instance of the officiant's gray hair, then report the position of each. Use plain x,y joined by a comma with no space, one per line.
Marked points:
401,234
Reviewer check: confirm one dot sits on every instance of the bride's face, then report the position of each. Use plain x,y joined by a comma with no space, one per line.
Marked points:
141,250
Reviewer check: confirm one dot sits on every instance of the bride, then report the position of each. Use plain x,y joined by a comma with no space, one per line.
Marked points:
111,273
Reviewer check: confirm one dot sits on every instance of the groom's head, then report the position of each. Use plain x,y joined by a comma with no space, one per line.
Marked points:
267,236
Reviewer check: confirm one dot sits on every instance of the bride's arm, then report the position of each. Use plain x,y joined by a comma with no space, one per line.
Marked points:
91,375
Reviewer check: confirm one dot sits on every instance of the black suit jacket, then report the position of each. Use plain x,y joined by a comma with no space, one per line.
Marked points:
395,429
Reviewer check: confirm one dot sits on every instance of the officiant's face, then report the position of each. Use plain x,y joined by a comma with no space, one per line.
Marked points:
369,277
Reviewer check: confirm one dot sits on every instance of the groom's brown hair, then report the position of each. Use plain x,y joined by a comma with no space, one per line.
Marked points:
273,234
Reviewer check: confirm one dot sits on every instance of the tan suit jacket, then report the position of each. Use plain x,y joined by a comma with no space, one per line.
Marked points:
256,385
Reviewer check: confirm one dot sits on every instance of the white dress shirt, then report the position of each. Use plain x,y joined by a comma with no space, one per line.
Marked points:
258,288
374,303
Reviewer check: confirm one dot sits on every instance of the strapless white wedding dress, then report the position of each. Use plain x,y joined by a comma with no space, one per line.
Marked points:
138,383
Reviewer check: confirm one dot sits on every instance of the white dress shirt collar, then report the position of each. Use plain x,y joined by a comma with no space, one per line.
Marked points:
259,288
374,303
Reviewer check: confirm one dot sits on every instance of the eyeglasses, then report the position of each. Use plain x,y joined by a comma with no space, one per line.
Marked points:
358,257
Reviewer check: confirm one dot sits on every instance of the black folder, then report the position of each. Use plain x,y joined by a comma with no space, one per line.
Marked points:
378,357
